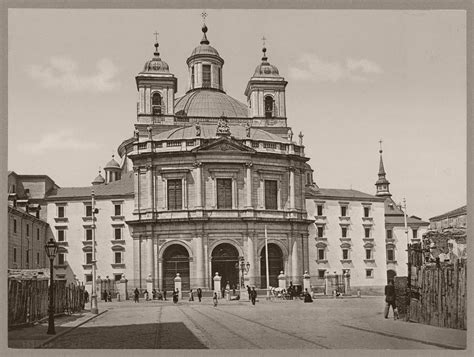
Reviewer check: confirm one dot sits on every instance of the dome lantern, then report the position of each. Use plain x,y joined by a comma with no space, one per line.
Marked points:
112,171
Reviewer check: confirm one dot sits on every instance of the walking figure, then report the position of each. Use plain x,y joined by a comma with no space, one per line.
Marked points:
191,295
86,296
136,295
199,293
253,295
146,295
164,294
175,296
109,296
214,299
390,298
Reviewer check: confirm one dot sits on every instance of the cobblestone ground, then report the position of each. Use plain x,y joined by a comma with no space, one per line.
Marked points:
324,324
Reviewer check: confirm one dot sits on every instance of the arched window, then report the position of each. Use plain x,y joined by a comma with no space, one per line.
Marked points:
156,104
269,107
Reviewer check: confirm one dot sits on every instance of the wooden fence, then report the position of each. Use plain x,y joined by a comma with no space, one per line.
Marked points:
28,300
438,295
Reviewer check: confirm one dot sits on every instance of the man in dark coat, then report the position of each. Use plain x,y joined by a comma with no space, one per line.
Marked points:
136,295
175,296
164,294
253,295
390,298
199,294
307,296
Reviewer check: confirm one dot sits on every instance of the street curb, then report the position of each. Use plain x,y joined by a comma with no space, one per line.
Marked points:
69,330
442,345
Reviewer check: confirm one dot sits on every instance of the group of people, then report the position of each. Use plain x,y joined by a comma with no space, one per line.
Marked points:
107,296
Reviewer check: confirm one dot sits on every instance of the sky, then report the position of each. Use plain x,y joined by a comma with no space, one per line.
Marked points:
354,77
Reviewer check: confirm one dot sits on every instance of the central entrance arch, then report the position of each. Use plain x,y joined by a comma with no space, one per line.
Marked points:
175,260
224,259
275,265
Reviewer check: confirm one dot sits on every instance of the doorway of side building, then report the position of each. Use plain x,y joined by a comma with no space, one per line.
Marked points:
175,260
275,265
391,274
225,258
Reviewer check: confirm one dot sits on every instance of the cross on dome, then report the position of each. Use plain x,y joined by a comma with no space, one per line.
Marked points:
204,15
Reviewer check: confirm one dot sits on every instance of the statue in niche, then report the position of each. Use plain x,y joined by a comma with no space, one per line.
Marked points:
290,134
247,129
197,127
223,126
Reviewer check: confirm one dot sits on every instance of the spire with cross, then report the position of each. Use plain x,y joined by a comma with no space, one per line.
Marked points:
264,49
157,54
204,15
380,142
382,183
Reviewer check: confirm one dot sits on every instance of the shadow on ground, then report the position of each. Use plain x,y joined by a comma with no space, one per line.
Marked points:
173,335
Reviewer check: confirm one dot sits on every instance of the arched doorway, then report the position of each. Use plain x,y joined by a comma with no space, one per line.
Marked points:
224,259
391,274
175,260
275,265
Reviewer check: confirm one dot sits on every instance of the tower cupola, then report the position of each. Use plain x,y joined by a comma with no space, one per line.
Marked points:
112,171
382,183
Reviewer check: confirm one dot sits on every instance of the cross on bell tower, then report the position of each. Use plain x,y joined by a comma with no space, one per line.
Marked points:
382,183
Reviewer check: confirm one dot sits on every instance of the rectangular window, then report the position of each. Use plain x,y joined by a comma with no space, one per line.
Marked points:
321,273
345,254
118,258
27,230
366,211
88,234
206,75
88,278
88,258
369,273
321,254
61,211
117,277
343,211
14,255
61,235
320,210
88,211
37,258
118,210
390,255
415,233
14,226
175,197
320,232
368,254
344,232
192,77
61,258
367,232
224,193
271,194
389,234
37,234
27,256
118,233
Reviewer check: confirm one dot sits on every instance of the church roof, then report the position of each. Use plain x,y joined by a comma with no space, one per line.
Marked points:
451,214
210,103
339,193
265,69
112,164
209,131
122,187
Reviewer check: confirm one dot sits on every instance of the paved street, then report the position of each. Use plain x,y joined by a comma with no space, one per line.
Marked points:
325,324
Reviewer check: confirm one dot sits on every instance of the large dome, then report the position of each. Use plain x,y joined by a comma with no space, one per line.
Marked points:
210,103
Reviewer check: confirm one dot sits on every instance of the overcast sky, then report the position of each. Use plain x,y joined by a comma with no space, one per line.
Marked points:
354,77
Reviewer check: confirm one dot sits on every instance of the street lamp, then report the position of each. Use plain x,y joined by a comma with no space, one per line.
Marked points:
51,249
94,308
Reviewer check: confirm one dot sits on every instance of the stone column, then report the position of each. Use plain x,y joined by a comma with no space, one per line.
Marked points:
199,262
149,259
149,284
198,177
160,273
292,188
248,183
251,259
136,173
306,282
295,271
282,280
347,285
217,285
149,173
177,285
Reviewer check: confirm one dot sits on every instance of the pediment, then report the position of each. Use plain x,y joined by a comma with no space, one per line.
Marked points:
224,144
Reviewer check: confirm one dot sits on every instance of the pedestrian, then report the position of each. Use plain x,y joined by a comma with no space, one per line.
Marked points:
214,299
153,292
104,295
109,296
390,298
233,290
307,296
249,290
136,295
146,295
291,290
253,295
191,295
223,292
164,294
175,296
199,293
86,296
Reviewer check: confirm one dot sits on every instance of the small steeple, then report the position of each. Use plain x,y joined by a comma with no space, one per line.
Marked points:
382,183
156,53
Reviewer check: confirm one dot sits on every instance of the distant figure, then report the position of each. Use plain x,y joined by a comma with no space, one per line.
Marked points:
390,298
104,295
307,296
214,299
191,295
227,286
109,296
223,292
153,294
199,293
291,290
175,296
136,295
233,289
253,295
86,296
249,290
164,294
146,295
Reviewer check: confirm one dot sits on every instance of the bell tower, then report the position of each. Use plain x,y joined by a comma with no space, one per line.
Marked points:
382,183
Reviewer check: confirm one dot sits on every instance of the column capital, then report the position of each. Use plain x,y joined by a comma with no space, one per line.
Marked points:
248,164
149,166
292,169
197,164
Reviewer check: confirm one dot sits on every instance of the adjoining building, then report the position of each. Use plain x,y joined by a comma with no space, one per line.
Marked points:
456,218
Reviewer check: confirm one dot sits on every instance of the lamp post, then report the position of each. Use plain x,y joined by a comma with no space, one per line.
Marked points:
94,308
51,249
